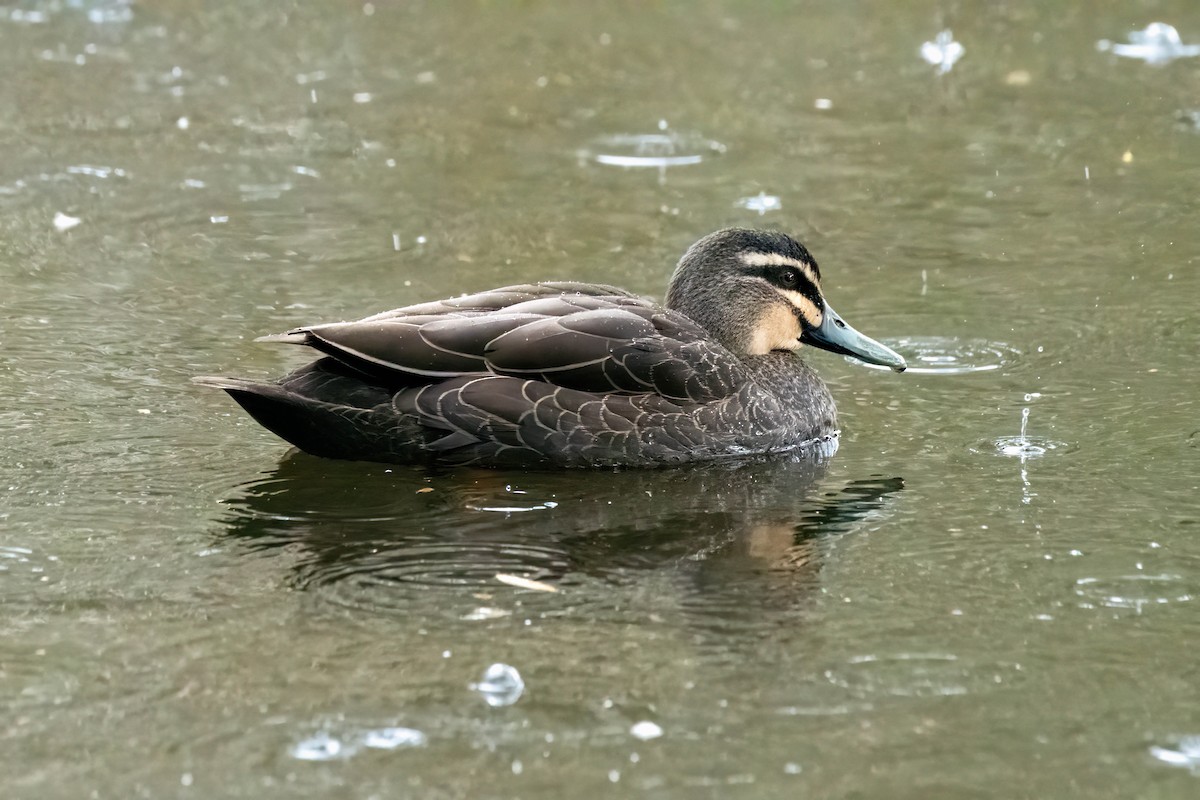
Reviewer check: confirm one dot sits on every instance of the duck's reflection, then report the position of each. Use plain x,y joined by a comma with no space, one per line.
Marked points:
727,539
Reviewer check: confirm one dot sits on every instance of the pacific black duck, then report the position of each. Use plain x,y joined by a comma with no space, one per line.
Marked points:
577,374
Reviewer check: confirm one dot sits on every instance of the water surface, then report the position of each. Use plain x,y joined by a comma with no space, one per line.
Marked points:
188,608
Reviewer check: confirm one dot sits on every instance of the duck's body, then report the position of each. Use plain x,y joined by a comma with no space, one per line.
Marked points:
576,374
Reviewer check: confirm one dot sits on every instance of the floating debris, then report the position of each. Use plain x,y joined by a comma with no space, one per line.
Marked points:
761,202
525,583
646,730
1157,44
501,685
943,52
64,222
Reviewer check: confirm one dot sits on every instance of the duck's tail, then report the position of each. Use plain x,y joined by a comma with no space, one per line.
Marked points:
325,410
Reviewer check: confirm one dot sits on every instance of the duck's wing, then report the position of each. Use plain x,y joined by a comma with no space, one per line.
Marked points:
580,336
446,338
630,349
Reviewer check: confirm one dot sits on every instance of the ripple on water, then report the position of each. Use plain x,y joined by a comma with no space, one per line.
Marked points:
1022,446
16,560
1135,592
901,674
327,746
383,580
940,355
455,563
649,150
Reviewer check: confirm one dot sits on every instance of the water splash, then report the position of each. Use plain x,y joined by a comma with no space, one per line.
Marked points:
943,52
1026,448
1021,446
1185,754
1157,44
394,738
646,730
325,746
501,686
322,747
659,151
761,202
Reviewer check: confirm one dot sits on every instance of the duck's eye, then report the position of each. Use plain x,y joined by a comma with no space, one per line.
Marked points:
790,278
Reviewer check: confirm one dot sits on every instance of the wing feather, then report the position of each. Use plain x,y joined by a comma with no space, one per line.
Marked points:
583,337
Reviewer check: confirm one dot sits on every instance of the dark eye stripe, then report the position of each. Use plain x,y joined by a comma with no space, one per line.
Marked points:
777,276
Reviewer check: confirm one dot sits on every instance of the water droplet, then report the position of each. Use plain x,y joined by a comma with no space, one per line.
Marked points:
64,222
943,52
1185,754
501,685
646,730
1022,446
761,202
321,747
393,738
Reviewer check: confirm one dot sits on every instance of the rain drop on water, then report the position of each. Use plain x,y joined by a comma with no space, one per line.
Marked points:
646,730
501,685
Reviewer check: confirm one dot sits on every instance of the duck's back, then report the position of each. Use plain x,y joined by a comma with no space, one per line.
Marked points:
559,373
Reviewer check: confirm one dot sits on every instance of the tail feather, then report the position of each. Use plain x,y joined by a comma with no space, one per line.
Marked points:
360,425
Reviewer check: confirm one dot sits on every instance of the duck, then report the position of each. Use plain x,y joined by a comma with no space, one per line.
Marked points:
570,374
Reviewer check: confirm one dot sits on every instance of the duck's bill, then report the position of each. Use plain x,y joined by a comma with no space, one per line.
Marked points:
836,336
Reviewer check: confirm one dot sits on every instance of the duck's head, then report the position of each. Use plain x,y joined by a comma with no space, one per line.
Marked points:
759,291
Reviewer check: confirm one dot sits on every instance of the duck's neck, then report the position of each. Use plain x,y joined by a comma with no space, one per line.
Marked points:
802,395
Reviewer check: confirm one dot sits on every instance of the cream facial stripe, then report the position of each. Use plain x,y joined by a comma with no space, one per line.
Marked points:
807,307
778,260
777,329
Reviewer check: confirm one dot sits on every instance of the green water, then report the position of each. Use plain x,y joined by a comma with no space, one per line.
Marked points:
184,605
